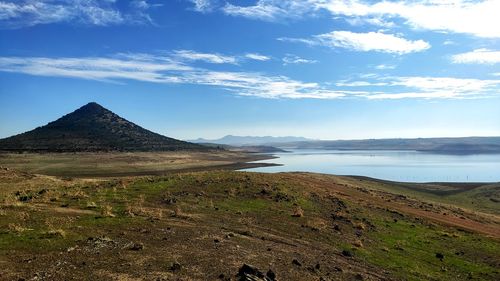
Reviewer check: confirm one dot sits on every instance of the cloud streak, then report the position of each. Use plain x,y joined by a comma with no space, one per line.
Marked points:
478,56
22,13
258,57
170,69
477,17
424,87
293,59
189,55
364,42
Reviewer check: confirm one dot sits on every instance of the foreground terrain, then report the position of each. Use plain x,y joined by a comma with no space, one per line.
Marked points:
207,225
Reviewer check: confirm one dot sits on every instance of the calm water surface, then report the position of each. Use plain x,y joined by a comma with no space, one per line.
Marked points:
409,166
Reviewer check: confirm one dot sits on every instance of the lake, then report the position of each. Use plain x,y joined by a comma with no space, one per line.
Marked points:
407,166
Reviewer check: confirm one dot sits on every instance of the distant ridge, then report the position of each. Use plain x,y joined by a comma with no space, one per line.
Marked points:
92,128
251,140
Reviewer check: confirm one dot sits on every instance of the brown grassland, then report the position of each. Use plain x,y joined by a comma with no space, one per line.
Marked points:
182,223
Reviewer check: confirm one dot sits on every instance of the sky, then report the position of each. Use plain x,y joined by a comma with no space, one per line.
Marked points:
322,69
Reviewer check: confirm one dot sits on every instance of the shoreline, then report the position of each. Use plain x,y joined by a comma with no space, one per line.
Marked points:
124,164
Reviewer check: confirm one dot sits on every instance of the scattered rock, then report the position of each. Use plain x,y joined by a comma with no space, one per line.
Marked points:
298,212
271,275
251,273
358,243
169,200
135,246
346,253
175,267
296,262
42,191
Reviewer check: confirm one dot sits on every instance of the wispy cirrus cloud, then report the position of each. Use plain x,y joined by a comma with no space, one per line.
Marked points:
364,42
385,66
478,56
189,55
293,59
203,6
216,58
21,13
425,87
258,57
168,68
476,17
269,10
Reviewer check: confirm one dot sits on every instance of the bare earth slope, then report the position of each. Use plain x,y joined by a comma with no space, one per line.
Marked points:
207,225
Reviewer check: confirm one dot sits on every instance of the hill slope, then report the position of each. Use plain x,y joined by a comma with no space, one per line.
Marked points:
208,225
92,128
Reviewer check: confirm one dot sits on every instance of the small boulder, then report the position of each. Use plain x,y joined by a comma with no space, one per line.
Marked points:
296,262
346,253
136,246
251,273
175,267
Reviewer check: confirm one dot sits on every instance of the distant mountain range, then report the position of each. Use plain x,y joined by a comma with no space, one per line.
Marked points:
250,140
466,145
92,128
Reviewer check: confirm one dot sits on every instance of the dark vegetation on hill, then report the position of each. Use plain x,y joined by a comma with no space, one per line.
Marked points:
92,128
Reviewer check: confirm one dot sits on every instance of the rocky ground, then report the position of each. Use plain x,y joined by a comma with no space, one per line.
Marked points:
236,226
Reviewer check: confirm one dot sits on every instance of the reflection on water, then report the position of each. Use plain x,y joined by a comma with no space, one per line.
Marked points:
410,166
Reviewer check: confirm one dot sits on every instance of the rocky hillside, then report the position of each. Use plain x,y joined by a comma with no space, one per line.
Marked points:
92,128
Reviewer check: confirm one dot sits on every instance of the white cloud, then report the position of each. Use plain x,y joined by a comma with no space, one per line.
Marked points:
456,85
478,18
364,42
170,69
255,56
167,70
206,57
480,56
15,14
413,95
293,59
269,10
377,21
203,6
385,66
136,67
359,84
427,87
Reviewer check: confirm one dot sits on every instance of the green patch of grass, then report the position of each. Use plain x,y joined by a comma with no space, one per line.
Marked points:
37,240
97,221
246,205
409,250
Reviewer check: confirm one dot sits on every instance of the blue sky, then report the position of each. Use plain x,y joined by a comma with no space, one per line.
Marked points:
329,69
